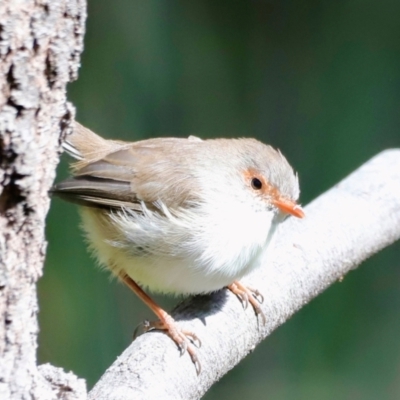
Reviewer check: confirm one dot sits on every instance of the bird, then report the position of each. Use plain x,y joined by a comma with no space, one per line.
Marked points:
181,216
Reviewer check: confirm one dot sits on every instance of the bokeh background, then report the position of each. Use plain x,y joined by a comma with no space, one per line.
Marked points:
318,79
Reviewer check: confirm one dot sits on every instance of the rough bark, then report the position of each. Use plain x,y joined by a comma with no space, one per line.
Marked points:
40,46
343,227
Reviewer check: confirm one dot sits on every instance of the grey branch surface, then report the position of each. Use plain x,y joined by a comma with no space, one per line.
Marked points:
355,219
40,46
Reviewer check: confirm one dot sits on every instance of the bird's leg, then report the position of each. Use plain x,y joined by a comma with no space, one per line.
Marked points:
246,295
181,337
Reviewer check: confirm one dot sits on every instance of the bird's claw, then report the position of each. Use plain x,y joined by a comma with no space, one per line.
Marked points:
184,339
248,295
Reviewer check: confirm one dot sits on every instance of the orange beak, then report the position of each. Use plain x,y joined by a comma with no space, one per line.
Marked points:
289,207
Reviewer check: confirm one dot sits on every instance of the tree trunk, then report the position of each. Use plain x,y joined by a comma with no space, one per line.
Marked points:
40,47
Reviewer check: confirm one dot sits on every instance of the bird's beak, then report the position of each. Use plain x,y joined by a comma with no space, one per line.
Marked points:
289,207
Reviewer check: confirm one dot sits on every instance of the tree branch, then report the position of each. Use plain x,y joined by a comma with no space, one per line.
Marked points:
342,228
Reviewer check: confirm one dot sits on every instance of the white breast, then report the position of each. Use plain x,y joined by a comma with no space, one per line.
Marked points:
184,254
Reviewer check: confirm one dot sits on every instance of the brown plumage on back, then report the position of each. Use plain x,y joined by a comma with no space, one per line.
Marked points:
112,173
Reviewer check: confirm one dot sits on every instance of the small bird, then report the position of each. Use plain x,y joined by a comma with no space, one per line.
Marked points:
182,216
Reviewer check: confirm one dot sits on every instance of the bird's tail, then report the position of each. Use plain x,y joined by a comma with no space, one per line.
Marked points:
87,147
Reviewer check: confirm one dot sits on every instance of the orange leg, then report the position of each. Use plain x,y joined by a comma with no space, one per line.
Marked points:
248,295
182,338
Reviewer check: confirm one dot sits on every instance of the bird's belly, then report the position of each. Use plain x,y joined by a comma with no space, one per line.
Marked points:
175,275
231,254
180,276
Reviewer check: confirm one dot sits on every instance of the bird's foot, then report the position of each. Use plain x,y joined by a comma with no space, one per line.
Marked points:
246,295
185,340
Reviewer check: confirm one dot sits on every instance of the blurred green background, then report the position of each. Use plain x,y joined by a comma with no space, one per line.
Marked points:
321,81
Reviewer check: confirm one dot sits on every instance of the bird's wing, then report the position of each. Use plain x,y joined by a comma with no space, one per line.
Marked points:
113,174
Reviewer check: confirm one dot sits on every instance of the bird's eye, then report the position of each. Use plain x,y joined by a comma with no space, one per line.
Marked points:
256,184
